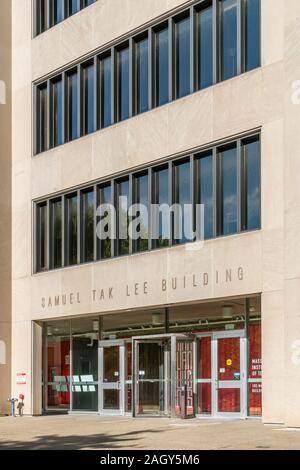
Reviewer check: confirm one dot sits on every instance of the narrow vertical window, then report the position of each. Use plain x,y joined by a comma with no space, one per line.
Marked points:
182,34
41,237
141,198
57,11
87,225
88,99
252,32
142,79
105,86
182,198
162,66
56,112
71,229
161,199
42,118
228,38
251,182
87,3
73,7
41,16
122,204
206,192
205,47
228,198
123,83
104,243
72,105
56,234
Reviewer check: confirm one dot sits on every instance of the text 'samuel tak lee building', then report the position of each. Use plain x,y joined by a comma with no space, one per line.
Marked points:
122,115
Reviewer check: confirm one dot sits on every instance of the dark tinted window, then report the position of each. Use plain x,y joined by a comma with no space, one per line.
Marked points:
182,29
252,41
56,234
228,190
87,225
182,222
57,113
41,237
71,229
229,38
162,66
205,47
161,198
205,185
105,73
141,198
88,99
123,83
122,202
142,88
252,183
72,106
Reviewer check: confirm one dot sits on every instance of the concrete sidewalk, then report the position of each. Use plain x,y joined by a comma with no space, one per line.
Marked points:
107,433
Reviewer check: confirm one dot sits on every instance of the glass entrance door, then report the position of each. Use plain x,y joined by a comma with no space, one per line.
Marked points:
221,382
152,368
112,366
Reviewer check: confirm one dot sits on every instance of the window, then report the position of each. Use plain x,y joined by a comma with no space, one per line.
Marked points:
122,205
228,189
162,66
226,180
141,198
205,47
72,105
205,185
251,183
182,33
182,197
104,244
56,112
161,199
58,11
123,83
41,16
87,225
42,118
88,72
228,38
71,205
150,69
105,93
74,6
252,41
142,80
56,234
41,237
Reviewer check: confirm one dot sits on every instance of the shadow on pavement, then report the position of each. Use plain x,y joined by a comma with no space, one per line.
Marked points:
96,441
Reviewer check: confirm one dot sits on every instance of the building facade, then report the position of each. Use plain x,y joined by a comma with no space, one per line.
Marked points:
121,106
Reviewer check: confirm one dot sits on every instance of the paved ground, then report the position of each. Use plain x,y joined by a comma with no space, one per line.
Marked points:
92,432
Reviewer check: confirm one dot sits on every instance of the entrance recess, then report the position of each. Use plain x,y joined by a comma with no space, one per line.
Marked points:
222,381
111,373
152,368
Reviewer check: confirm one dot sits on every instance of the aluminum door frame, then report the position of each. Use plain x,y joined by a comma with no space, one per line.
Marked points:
214,373
120,385
172,371
242,414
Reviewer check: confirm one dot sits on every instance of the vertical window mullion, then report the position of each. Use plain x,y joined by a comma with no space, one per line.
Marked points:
79,227
113,86
150,68
216,194
96,102
239,36
130,202
48,228
239,187
95,204
79,101
150,200
114,240
171,199
132,78
63,234
192,49
216,45
171,52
